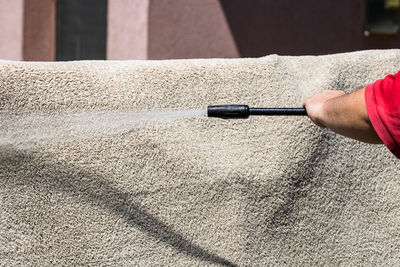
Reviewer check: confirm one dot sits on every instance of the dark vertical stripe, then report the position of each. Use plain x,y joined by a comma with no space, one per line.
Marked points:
81,29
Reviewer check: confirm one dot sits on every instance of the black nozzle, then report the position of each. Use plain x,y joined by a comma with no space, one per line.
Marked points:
228,111
243,111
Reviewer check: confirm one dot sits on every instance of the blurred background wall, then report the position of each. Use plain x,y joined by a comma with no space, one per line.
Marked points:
47,30
27,29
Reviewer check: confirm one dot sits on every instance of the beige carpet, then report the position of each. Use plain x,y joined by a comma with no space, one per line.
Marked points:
94,172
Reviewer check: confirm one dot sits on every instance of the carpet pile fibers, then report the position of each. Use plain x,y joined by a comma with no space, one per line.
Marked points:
82,182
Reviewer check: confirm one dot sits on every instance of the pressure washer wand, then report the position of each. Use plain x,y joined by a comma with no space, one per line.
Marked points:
243,111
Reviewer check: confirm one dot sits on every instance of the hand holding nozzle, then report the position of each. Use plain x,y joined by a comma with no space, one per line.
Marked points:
244,111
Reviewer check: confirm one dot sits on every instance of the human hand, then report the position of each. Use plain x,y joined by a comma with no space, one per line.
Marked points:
315,106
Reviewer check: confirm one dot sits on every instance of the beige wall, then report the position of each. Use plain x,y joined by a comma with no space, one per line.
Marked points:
127,29
11,29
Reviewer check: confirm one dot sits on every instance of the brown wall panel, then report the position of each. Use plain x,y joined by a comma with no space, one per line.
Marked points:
39,30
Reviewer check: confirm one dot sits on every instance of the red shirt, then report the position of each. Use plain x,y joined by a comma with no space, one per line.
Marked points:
383,105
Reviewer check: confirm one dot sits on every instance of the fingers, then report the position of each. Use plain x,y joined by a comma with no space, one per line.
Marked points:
315,105
304,103
319,124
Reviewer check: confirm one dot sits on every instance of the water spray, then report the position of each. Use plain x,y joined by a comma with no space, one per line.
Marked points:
244,111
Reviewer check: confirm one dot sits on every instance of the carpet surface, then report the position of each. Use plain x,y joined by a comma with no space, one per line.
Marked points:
97,167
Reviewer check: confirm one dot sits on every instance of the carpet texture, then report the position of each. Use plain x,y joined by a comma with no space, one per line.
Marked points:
85,181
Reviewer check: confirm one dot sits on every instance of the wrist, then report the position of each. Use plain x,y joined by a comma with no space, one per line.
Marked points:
323,114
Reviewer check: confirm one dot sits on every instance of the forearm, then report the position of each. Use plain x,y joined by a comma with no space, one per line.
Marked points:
347,115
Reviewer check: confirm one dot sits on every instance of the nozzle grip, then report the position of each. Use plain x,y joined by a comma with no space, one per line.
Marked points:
228,111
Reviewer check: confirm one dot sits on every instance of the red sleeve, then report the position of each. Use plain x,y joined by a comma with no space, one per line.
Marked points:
382,99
